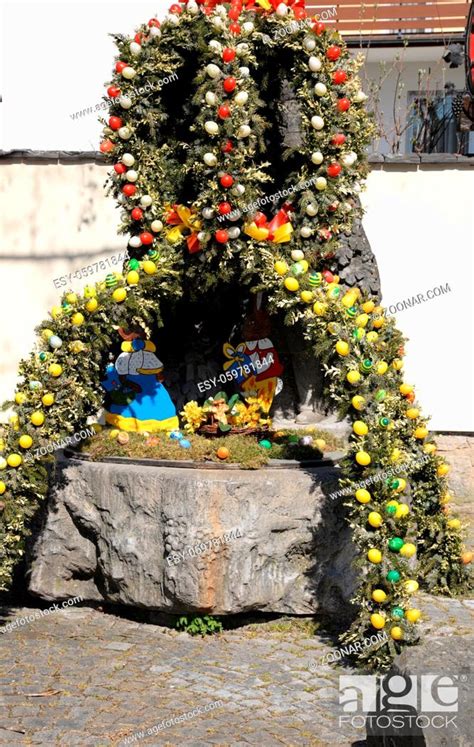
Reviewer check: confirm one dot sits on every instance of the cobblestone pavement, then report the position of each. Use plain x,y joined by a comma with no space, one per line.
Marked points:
82,676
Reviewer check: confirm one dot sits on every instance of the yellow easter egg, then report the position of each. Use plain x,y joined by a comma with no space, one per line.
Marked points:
360,428
37,418
397,364
3,487
342,347
55,370
382,367
377,621
92,305
47,333
71,298
363,496
149,267
374,555
429,448
77,319
306,296
408,550
396,632
90,291
281,268
291,284
47,399
402,511
368,307
411,586
406,389
25,441
320,444
378,322
133,277
413,614
375,519
454,524
14,460
443,469
421,432
353,377
363,458
320,308
412,413
304,265
56,312
358,402
372,337
20,398
113,433
378,595
362,320
119,295
395,455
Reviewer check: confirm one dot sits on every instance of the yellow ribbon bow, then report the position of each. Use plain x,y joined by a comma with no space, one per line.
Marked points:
183,218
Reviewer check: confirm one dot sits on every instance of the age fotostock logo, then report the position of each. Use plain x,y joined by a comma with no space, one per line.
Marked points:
381,702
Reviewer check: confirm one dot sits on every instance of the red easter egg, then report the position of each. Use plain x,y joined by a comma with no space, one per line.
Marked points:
319,28
129,189
339,76
154,22
228,54
227,180
106,146
175,8
328,276
229,84
113,91
146,237
334,169
138,38
233,14
333,53
234,28
343,104
119,66
338,139
299,13
137,214
223,111
120,168
224,208
227,147
115,123
222,236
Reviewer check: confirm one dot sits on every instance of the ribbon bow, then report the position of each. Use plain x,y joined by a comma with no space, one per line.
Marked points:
236,355
183,219
278,230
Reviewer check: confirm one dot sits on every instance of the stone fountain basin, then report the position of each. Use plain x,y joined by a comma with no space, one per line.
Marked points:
112,531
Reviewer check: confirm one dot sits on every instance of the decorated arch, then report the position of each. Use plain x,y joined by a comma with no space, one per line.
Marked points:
211,193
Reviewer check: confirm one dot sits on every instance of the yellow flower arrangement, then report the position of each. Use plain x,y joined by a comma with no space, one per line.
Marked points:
193,415
242,414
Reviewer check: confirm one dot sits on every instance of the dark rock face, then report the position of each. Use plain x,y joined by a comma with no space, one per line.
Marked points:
356,264
134,534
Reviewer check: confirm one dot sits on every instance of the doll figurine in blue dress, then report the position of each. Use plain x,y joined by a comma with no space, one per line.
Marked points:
136,398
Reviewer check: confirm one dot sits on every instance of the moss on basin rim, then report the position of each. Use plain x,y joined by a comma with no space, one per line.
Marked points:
243,450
